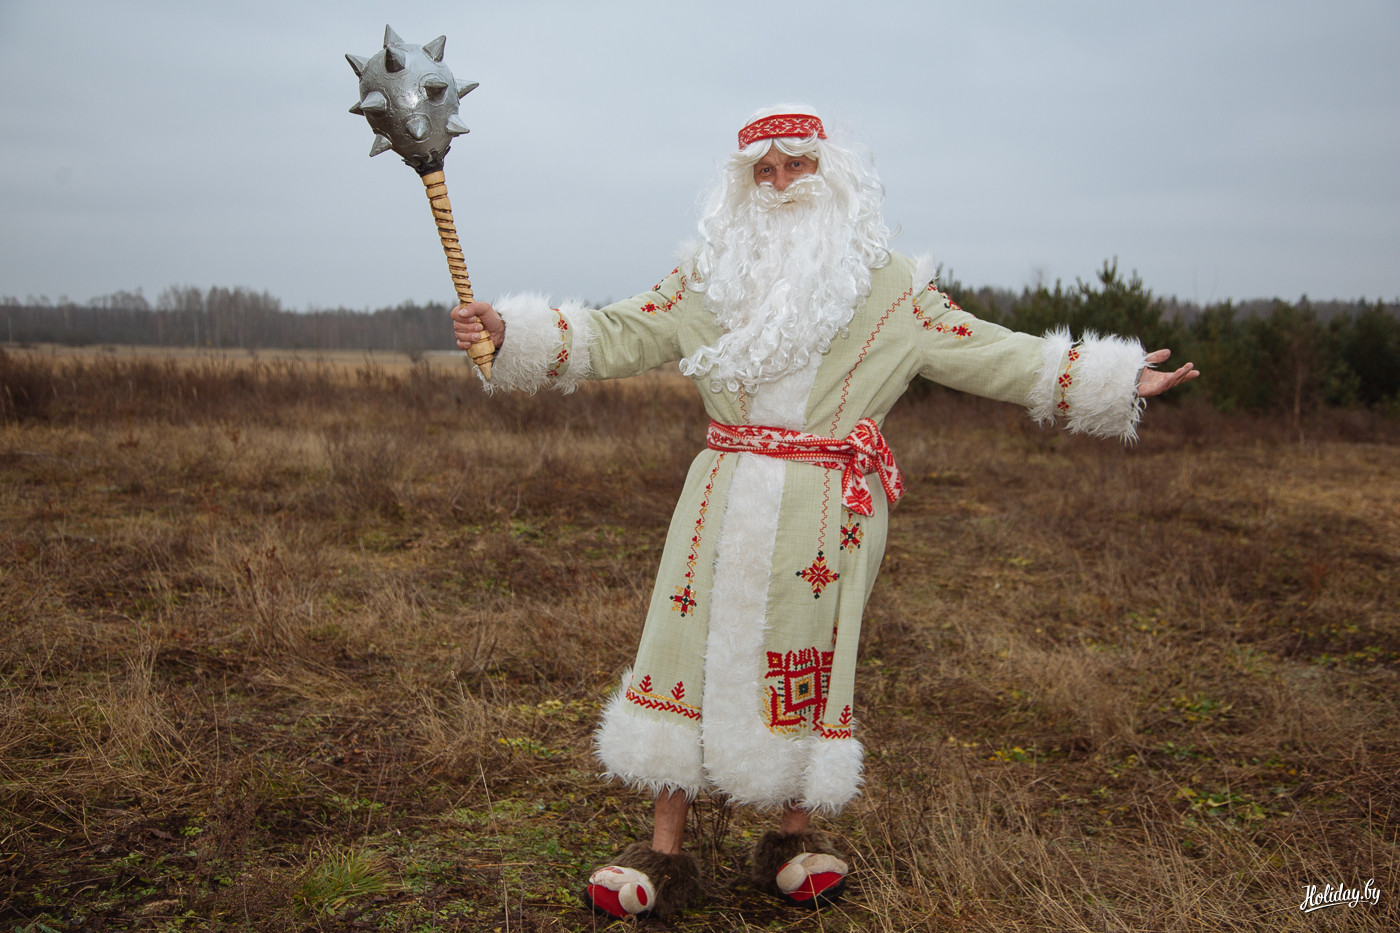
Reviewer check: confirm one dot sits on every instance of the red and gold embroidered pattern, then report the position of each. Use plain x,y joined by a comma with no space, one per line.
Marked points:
670,303
684,601
959,331
798,694
923,317
642,696
781,124
841,729
561,359
818,575
667,304
850,536
1066,380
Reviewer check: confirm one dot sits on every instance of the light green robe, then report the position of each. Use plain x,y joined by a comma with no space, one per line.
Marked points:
744,676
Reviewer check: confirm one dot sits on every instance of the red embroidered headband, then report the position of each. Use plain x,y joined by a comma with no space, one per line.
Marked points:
781,124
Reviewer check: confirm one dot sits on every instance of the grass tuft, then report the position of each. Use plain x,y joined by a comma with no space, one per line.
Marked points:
336,878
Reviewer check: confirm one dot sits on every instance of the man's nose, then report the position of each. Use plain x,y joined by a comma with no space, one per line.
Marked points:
782,178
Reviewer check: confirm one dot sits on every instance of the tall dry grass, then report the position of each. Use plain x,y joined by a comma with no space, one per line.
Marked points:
300,645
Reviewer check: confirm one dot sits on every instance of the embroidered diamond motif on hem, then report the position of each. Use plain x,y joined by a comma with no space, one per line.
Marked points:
799,694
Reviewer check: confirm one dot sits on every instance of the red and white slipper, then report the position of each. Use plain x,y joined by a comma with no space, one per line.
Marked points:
812,879
620,892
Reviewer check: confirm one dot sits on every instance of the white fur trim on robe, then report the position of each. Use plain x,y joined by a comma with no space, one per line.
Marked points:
833,775
743,758
924,270
532,344
647,753
1102,395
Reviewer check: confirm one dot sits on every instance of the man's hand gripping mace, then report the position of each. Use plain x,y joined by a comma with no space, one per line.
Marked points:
410,99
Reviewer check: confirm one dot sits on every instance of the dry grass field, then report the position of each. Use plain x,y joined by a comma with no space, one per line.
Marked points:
308,644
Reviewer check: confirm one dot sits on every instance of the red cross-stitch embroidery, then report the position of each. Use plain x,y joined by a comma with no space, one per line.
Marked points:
802,679
850,536
922,315
856,455
818,575
836,420
959,331
642,696
684,600
561,359
670,303
838,730
781,124
667,304
1066,380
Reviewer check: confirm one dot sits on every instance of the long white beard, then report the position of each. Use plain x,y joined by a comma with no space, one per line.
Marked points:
783,278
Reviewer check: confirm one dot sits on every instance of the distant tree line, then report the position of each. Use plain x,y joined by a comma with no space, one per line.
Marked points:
222,318
1258,355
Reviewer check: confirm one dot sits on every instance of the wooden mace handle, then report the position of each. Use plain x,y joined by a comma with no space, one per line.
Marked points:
435,185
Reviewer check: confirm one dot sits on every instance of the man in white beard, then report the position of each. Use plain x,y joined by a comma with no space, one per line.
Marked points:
784,260
802,329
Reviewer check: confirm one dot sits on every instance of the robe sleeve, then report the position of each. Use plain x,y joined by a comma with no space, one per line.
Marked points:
1090,385
560,347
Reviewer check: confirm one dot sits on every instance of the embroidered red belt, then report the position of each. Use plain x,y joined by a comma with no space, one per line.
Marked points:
862,451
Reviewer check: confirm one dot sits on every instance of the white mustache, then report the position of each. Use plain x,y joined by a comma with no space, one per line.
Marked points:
805,190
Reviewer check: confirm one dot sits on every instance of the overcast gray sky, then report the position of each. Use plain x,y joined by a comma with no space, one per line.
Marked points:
1222,149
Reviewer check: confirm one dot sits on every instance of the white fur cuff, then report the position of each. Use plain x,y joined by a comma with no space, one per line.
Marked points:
1044,396
544,346
1092,385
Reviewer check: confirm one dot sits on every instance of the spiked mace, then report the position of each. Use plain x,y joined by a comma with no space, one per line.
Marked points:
410,100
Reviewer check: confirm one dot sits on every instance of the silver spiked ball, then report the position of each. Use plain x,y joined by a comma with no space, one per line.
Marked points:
410,99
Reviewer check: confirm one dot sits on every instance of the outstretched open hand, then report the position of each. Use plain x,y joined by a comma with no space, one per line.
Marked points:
1153,382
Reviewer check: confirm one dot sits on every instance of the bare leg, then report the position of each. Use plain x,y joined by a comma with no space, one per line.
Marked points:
795,819
669,829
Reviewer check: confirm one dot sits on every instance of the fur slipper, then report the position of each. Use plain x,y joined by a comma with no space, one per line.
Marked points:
644,881
801,868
